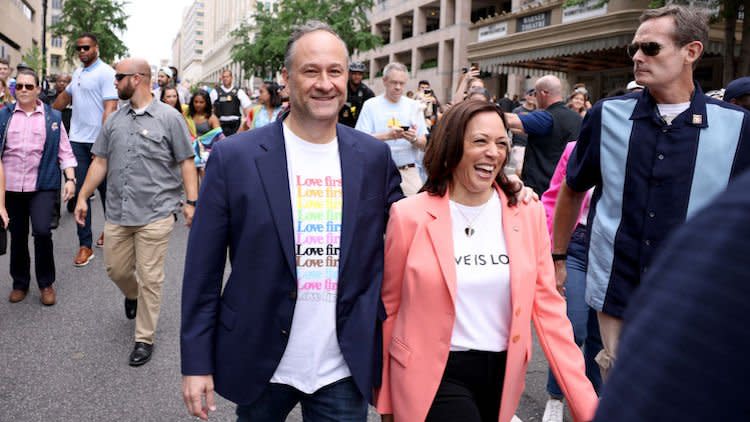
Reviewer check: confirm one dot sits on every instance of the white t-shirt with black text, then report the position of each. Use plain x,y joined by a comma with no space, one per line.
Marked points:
312,358
483,307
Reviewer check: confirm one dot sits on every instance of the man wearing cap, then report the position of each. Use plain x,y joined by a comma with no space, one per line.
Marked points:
655,158
738,92
94,97
164,78
356,95
230,104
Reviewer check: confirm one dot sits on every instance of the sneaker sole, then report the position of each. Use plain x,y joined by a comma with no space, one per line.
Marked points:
84,263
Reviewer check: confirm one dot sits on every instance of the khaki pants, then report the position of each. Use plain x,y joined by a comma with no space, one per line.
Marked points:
411,183
610,329
134,259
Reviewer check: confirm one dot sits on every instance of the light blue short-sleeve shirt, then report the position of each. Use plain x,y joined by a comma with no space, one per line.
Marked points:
90,87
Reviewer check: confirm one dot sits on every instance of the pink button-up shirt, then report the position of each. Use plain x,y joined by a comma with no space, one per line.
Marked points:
24,145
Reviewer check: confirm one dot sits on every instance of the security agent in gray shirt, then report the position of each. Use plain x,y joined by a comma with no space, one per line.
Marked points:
144,151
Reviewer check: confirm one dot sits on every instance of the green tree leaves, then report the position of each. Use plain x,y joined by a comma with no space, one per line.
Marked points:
103,18
263,53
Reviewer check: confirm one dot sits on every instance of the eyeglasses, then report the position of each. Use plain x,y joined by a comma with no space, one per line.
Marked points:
27,87
649,48
121,76
83,47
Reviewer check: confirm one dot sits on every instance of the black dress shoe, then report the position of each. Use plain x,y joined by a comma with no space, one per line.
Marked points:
131,306
141,353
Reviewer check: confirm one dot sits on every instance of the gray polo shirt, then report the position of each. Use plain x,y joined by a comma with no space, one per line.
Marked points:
143,152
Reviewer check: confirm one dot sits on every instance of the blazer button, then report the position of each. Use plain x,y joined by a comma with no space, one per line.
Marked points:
518,311
516,338
516,228
284,333
293,295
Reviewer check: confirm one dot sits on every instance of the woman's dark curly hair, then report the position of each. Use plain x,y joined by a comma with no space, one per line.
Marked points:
446,148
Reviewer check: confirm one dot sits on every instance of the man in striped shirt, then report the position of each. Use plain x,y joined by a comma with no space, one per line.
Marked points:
656,157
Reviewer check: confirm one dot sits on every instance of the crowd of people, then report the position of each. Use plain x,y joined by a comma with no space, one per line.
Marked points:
394,249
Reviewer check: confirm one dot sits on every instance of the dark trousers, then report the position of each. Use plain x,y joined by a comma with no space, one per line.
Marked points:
340,401
471,388
230,127
82,152
39,207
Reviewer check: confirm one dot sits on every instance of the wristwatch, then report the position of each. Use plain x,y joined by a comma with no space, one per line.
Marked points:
193,203
70,179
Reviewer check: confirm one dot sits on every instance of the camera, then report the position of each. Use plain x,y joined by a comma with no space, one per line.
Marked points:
427,92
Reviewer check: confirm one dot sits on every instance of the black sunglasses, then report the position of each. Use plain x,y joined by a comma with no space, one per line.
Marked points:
121,76
28,87
649,48
83,47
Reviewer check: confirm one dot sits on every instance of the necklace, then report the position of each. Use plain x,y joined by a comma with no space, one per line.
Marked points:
469,229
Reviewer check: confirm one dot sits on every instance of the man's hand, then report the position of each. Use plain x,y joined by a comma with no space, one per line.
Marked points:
188,211
395,133
81,210
523,194
561,274
410,135
69,190
198,394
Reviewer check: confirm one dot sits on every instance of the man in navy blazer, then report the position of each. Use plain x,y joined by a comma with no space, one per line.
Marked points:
687,332
301,206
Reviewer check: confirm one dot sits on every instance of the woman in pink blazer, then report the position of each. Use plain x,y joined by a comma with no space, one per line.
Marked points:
467,269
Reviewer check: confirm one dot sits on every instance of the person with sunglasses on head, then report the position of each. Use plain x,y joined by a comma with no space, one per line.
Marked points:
655,158
92,93
144,151
35,154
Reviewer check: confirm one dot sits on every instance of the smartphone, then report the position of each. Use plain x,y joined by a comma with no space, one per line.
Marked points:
405,128
428,92
464,69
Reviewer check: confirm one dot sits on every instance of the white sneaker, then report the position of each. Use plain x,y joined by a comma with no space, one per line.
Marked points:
553,411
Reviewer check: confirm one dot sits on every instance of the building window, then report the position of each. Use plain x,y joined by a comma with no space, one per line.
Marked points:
55,19
199,13
27,11
198,32
55,60
57,42
57,4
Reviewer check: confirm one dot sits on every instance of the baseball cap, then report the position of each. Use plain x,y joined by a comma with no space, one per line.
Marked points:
167,71
737,88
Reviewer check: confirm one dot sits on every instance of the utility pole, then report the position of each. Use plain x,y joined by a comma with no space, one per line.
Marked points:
44,42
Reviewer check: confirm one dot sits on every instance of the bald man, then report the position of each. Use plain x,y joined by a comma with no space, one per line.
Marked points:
144,150
549,129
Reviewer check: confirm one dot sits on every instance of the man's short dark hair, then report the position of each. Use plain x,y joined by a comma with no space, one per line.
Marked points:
90,36
691,24
29,72
4,61
423,82
302,30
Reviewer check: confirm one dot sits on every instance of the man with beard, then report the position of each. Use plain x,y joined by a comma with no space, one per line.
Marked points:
144,151
93,96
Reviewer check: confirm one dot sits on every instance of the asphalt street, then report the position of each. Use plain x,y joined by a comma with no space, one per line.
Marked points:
68,362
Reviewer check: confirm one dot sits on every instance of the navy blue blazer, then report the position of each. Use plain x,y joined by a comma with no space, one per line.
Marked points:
683,354
239,334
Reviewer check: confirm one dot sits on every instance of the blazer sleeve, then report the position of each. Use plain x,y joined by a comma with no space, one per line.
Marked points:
204,270
397,242
555,332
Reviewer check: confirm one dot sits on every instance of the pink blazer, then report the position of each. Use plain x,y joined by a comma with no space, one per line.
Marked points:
419,289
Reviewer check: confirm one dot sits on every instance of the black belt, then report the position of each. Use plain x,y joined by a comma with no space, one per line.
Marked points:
406,166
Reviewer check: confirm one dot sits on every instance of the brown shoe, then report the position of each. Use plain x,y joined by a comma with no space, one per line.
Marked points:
48,296
17,295
85,255
100,241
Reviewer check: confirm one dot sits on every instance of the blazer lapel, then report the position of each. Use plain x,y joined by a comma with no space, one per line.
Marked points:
274,177
351,179
442,240
515,245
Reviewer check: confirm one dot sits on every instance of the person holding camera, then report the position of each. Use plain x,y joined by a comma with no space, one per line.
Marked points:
356,95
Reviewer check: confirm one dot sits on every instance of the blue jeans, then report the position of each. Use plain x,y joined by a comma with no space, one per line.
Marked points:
82,152
340,401
581,316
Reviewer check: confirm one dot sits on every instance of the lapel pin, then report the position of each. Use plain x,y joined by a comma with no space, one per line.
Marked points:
54,126
697,119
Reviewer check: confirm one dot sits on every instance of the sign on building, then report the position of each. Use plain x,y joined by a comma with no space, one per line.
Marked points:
585,10
494,31
531,22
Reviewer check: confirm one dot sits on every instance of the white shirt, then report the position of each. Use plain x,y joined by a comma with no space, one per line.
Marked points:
379,115
313,358
89,88
668,112
483,306
245,102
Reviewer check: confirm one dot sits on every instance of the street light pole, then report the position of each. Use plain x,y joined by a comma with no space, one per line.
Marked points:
44,40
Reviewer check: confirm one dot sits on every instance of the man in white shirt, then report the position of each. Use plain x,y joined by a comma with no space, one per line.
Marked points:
230,104
399,122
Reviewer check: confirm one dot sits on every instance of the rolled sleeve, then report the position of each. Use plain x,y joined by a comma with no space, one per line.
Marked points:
537,123
65,152
245,102
182,148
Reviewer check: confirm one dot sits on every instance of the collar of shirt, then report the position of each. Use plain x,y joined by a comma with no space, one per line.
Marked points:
149,108
39,108
91,67
646,108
